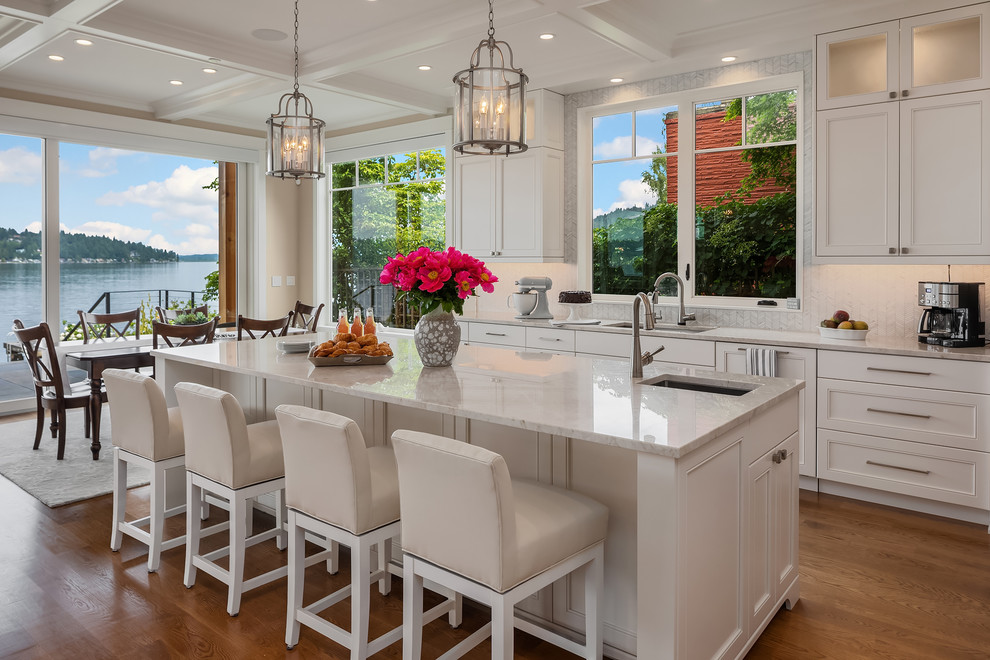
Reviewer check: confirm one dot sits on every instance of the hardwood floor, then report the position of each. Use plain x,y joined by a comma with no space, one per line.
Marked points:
875,583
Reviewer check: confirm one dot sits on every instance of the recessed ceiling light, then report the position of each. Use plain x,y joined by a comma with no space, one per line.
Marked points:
424,67
729,58
175,82
84,42
547,36
208,70
214,60
266,34
616,80
56,58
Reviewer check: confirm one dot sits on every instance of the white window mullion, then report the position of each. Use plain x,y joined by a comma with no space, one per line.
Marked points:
685,197
50,240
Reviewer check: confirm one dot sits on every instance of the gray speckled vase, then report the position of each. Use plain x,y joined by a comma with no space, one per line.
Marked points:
437,338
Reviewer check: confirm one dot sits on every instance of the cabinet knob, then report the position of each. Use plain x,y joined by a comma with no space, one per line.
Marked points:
891,250
779,456
893,95
905,92
492,254
904,250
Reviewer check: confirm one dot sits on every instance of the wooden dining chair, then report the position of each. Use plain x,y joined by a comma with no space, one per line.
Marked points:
50,391
306,316
169,315
259,328
167,335
110,327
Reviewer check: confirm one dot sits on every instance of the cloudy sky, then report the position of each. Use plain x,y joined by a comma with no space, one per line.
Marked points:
619,183
149,198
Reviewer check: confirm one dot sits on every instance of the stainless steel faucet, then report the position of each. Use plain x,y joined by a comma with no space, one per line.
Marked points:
639,359
682,318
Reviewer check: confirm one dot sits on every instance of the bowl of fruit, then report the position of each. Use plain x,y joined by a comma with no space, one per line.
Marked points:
840,326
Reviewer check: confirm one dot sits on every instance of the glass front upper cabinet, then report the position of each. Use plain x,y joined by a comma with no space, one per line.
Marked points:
939,53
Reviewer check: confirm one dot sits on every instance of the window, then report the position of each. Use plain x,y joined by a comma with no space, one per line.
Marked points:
379,206
705,187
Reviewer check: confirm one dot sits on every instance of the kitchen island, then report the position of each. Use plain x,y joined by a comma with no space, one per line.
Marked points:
701,487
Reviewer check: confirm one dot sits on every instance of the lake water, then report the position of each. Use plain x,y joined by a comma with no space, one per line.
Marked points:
82,284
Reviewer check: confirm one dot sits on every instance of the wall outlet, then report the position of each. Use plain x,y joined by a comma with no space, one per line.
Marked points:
290,280
793,303
276,280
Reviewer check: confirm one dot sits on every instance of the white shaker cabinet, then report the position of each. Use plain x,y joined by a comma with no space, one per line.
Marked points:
510,208
907,179
938,53
797,363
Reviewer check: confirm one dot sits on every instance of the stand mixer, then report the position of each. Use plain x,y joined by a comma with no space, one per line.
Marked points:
539,286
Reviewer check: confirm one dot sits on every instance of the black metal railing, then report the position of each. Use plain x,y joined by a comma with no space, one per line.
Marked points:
363,289
120,301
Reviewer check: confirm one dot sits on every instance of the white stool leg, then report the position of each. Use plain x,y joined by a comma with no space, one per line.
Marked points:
333,561
412,611
455,615
297,574
119,498
240,509
594,580
503,627
280,540
156,526
248,518
384,559
360,597
193,494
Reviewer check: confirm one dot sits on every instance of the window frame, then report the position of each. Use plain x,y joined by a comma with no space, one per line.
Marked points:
686,102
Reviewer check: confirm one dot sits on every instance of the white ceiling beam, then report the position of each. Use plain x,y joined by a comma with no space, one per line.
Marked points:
241,87
372,89
66,17
608,28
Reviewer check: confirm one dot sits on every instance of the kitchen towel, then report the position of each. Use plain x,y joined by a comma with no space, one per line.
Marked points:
761,362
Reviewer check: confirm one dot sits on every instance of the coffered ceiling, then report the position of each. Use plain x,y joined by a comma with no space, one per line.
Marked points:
359,59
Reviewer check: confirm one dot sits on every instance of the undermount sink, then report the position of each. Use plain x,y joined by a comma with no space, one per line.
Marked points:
666,327
728,388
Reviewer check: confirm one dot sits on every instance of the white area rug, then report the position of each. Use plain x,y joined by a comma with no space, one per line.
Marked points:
76,477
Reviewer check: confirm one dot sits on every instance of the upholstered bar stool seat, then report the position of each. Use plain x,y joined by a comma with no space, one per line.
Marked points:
238,462
345,492
148,434
467,526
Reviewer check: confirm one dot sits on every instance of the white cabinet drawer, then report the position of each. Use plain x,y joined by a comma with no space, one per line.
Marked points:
550,339
940,374
948,475
951,419
614,344
681,351
495,333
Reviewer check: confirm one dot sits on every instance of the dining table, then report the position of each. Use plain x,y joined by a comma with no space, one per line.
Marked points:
94,362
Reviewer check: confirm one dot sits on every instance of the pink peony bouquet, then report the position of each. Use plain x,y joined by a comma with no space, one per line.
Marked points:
443,278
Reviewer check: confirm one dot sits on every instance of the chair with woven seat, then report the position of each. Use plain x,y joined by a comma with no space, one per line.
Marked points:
260,328
469,527
110,327
168,335
148,434
235,461
51,389
341,490
306,316
169,315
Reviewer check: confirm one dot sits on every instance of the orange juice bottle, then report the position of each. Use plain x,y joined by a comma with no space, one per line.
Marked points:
342,325
357,328
369,323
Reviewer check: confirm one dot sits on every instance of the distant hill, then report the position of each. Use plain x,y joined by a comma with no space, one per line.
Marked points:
26,246
199,257
610,218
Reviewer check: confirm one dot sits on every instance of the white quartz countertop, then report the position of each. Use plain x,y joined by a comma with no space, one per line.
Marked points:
872,344
577,397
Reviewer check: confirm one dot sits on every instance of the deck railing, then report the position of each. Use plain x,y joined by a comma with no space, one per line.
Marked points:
121,301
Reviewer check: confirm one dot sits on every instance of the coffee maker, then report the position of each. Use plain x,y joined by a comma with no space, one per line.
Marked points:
954,314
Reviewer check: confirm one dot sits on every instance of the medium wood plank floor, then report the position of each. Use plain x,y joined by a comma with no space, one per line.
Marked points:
875,583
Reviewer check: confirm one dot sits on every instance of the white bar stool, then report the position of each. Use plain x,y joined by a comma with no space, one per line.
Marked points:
467,526
238,462
339,489
146,433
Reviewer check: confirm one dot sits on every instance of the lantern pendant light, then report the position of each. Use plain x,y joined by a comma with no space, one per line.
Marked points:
295,136
490,100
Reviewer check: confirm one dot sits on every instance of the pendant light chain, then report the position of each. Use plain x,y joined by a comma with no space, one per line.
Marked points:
295,87
491,19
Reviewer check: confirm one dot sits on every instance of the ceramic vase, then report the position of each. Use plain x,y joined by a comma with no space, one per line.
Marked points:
437,338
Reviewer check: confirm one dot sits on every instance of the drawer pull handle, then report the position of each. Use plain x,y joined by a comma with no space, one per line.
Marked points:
778,352
898,412
551,339
900,371
495,334
898,467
